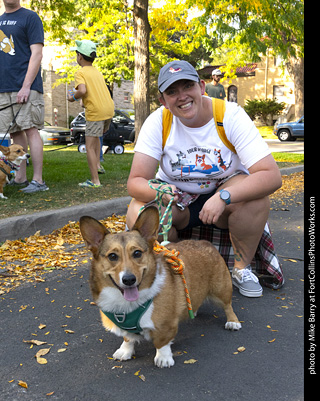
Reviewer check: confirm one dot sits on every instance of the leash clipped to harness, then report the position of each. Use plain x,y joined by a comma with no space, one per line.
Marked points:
163,189
177,266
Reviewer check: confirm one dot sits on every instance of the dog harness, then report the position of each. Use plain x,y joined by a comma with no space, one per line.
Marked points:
129,321
5,161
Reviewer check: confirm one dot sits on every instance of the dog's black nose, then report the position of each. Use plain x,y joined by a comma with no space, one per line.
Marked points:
27,154
129,279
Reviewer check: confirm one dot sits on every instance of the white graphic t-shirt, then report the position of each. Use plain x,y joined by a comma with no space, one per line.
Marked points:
195,159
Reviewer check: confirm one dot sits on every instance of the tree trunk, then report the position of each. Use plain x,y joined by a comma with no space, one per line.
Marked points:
295,69
141,67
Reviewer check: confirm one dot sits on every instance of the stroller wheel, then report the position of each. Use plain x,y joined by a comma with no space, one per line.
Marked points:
118,149
82,148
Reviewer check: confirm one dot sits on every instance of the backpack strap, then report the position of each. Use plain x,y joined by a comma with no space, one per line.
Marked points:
218,109
166,125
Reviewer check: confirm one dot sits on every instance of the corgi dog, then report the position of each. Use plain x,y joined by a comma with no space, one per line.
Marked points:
138,293
6,44
200,159
10,160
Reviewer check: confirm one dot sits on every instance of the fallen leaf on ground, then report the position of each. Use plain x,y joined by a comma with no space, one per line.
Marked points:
35,342
190,361
42,352
241,349
22,384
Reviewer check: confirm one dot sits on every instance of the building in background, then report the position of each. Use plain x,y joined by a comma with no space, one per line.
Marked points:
263,80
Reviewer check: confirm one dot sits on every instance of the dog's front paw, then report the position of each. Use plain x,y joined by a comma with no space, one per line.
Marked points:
3,197
125,352
233,326
163,358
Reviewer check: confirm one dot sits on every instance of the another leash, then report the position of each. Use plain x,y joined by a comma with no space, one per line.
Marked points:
178,267
163,189
13,121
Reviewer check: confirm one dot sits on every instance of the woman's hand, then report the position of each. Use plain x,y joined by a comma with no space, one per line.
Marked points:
167,197
212,209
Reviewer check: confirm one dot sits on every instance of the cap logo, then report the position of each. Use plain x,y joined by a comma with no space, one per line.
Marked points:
173,70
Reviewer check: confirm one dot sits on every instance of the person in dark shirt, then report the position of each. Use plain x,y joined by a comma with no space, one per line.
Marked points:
21,45
215,89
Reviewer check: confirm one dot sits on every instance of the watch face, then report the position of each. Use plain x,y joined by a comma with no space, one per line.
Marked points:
225,195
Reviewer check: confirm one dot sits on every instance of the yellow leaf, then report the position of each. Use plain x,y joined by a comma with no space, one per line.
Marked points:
35,342
190,361
241,349
22,384
62,349
69,331
137,373
271,341
142,378
42,352
42,361
42,326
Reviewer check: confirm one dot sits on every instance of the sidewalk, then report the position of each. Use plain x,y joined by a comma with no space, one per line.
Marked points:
26,225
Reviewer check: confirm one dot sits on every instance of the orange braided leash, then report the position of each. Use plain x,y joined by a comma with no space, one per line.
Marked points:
177,266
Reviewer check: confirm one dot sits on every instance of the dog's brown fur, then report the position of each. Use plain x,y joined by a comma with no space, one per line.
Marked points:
15,155
132,252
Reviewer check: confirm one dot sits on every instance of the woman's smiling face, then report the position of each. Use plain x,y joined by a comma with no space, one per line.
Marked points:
184,99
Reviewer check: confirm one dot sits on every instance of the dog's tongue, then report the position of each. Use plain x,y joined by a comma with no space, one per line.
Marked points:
131,294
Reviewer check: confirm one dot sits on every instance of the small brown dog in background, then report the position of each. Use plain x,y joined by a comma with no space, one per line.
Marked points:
10,160
138,293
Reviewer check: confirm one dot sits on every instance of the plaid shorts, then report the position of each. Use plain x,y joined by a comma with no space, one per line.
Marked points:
31,114
265,261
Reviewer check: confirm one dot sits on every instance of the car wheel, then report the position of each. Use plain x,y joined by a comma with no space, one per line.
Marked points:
284,135
82,148
118,149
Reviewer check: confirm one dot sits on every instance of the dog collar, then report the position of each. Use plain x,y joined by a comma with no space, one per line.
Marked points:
129,321
10,164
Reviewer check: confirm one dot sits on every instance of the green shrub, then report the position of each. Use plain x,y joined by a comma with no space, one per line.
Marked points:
264,108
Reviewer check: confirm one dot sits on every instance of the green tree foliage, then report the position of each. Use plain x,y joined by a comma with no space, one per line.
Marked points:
247,29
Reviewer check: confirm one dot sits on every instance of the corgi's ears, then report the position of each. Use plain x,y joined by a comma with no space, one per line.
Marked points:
93,232
4,149
147,224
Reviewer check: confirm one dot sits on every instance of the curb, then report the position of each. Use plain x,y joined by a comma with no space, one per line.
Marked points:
26,225
23,226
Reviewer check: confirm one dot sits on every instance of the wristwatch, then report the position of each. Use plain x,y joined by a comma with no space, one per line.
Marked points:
225,196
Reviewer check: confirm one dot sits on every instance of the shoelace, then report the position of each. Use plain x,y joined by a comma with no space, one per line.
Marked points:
247,275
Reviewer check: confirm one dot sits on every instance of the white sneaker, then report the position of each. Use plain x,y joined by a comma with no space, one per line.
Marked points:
247,282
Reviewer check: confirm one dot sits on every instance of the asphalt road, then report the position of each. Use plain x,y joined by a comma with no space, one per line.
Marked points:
270,368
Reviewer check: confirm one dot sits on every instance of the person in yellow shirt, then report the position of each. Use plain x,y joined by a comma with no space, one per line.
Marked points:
99,107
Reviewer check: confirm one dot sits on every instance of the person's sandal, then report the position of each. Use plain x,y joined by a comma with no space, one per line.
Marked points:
34,187
89,184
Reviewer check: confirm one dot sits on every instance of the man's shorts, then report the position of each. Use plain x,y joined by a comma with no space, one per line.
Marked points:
97,128
31,114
